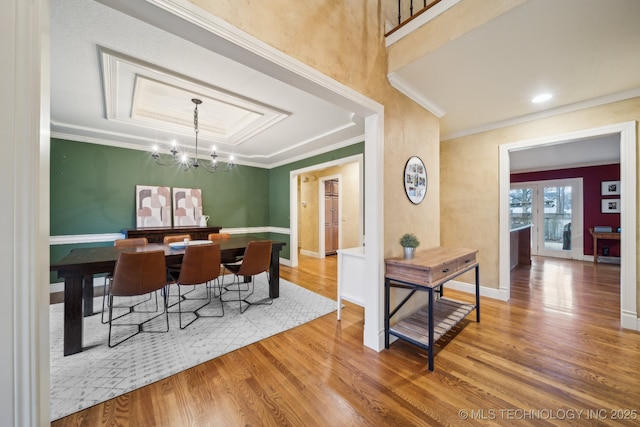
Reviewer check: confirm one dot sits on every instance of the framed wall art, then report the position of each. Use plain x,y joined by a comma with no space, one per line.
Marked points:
187,206
415,180
610,205
610,188
153,206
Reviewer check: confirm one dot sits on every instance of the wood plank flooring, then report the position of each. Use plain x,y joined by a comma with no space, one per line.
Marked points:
553,355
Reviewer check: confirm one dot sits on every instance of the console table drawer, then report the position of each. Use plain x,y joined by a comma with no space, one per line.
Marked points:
430,267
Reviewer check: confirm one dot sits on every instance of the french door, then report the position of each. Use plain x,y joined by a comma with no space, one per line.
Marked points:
554,209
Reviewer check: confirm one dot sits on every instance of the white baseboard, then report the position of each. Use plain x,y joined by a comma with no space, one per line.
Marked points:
471,289
311,253
630,321
110,237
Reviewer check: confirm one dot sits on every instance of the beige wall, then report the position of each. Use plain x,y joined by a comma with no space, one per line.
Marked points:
310,194
469,177
344,40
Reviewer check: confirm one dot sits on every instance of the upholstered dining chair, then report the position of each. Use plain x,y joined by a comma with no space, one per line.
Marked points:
121,243
200,265
135,274
256,260
227,259
176,238
173,239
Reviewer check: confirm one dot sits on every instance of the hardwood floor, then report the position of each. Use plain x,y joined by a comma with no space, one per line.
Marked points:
553,355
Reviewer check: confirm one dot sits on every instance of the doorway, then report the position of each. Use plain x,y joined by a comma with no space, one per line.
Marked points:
628,170
555,210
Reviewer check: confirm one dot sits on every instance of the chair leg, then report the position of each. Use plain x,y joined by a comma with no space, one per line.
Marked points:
240,299
140,325
244,298
196,312
265,301
104,297
105,291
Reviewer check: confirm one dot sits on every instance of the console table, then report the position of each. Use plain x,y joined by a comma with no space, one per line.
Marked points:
601,235
428,271
156,235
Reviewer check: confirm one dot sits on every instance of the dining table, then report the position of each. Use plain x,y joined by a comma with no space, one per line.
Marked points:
81,264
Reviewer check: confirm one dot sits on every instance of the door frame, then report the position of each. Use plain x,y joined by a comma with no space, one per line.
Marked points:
628,282
293,196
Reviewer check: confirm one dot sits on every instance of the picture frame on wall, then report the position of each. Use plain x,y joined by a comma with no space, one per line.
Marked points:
415,180
610,206
610,188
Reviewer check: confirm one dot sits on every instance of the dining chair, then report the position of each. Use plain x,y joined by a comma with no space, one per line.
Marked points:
119,244
256,260
173,239
135,274
226,259
200,265
176,238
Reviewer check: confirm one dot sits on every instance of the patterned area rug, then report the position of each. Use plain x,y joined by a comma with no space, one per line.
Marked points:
100,373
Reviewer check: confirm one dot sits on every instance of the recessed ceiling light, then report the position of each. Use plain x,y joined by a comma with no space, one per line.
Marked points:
541,98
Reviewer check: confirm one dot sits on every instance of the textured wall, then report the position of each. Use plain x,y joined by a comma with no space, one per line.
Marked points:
348,45
470,186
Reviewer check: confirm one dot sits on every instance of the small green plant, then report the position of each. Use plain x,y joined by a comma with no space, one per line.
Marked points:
409,240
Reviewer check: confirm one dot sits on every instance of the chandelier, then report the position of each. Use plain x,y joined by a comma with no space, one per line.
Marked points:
183,161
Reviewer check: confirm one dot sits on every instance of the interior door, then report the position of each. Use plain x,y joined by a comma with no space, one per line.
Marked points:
331,225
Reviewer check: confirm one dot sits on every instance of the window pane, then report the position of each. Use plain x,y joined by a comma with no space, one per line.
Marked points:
557,218
520,207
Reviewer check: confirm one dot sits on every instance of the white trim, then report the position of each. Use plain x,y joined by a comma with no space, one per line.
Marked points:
326,149
607,99
311,254
84,238
420,20
110,237
415,94
471,289
24,171
628,170
250,230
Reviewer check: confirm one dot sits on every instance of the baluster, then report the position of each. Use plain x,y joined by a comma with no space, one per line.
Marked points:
399,14
411,8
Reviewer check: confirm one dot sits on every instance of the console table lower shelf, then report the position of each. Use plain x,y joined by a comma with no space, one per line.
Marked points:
428,272
447,313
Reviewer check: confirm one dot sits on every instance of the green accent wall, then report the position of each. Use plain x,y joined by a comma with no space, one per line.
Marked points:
92,191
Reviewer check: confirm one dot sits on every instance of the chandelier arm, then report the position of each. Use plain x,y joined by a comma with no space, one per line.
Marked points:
185,163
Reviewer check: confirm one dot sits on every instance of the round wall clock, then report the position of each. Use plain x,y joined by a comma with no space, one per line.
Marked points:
415,180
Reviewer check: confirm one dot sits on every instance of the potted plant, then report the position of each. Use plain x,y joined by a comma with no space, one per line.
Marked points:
409,242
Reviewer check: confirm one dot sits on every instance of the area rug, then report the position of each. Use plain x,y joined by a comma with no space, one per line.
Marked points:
100,373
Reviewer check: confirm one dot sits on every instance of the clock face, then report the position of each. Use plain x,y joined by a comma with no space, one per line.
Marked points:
415,180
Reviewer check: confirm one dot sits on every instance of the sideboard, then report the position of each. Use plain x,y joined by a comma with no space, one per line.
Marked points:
156,235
